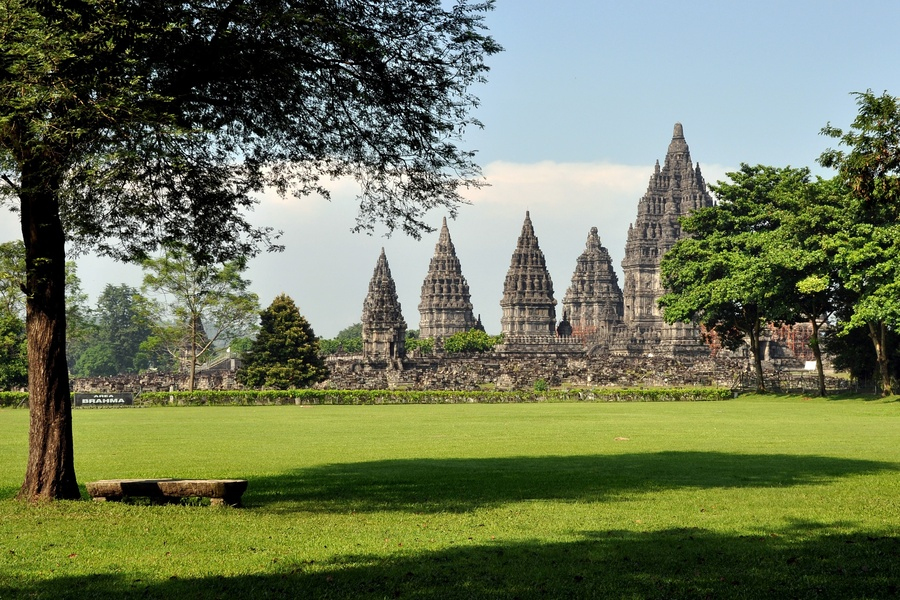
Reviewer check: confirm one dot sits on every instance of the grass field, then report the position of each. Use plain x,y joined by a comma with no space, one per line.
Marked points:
758,497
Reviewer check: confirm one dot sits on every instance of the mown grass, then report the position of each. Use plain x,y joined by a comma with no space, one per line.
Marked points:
759,497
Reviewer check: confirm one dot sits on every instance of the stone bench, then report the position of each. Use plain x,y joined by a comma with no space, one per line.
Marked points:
226,492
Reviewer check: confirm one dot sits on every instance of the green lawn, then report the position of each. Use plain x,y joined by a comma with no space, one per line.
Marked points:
759,497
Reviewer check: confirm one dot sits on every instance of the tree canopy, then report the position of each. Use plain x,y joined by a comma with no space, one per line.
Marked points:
285,353
201,305
723,274
126,125
868,249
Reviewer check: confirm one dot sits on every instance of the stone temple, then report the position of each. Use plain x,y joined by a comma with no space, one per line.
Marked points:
383,327
528,305
598,317
446,306
593,303
675,190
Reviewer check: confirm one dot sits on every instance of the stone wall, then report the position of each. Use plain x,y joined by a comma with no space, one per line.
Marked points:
155,382
495,371
473,372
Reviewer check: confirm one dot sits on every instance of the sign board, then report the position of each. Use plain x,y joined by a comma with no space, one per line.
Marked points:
112,399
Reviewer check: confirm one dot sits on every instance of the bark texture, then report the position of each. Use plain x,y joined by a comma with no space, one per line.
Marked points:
50,473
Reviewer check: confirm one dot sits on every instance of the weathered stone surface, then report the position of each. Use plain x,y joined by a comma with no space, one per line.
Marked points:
446,306
521,371
674,190
383,327
529,308
593,303
219,491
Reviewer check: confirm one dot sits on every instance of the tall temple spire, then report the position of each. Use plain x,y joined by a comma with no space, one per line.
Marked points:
445,306
528,304
593,302
383,327
673,191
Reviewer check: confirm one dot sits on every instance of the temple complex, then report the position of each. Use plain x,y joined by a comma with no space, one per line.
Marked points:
446,306
529,308
592,305
383,327
598,317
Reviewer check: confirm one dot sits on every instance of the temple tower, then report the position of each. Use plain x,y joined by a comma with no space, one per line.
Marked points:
528,305
674,190
383,327
446,306
593,303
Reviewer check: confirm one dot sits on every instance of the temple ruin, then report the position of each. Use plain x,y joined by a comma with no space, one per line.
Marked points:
383,327
446,306
598,318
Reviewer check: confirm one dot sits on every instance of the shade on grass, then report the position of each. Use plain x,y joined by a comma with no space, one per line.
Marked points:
757,497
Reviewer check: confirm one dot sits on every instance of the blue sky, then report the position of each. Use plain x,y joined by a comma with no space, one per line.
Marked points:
576,111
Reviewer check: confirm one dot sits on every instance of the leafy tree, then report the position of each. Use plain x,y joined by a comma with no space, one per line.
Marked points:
422,345
804,256
348,339
202,304
13,354
473,340
869,248
97,360
240,346
285,353
121,325
127,124
12,278
80,326
852,351
723,274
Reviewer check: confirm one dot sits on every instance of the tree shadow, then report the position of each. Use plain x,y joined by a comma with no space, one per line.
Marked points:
464,484
808,561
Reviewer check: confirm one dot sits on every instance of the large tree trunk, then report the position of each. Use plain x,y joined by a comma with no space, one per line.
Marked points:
817,353
757,359
878,335
50,473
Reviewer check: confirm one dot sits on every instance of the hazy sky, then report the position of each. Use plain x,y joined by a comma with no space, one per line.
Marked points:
576,111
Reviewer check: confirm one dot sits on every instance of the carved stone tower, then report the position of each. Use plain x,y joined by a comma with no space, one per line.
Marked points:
593,303
446,306
674,191
383,327
528,305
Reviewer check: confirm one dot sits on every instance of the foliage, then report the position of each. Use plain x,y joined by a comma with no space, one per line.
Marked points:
723,274
239,346
420,345
285,353
473,340
121,323
541,385
368,397
868,249
79,319
202,304
125,126
12,278
348,340
803,253
13,352
852,351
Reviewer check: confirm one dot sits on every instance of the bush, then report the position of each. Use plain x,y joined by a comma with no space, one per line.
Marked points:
473,340
360,397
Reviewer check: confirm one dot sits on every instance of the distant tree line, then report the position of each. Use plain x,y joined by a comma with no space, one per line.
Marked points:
185,314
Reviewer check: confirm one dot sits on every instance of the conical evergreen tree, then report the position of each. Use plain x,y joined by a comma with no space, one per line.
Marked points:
285,354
